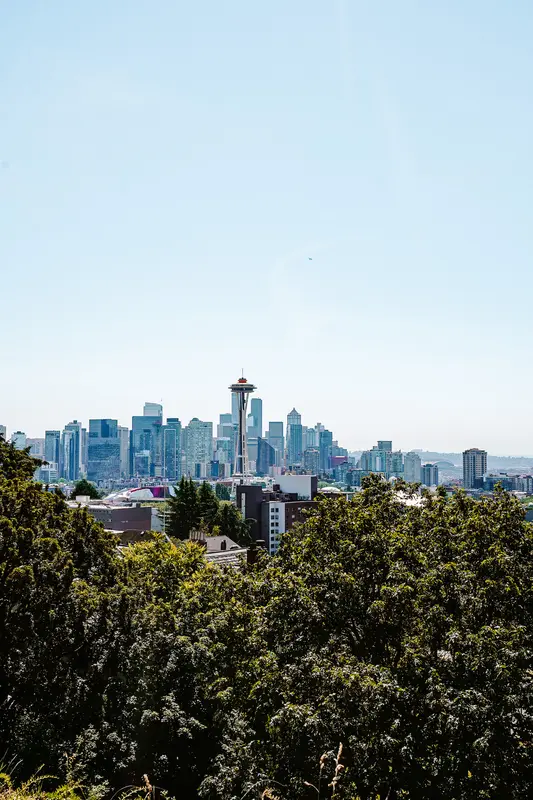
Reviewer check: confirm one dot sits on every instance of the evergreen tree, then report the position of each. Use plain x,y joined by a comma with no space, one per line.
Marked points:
222,492
208,504
84,488
183,510
230,523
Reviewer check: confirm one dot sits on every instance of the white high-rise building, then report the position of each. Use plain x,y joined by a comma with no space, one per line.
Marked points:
198,447
412,465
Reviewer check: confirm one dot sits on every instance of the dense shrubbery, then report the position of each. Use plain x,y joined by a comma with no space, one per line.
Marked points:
403,632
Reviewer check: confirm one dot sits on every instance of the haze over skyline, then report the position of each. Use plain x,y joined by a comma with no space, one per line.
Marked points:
167,171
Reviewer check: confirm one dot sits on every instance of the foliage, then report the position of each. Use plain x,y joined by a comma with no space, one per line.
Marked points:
222,492
208,504
84,488
16,463
183,510
230,522
402,629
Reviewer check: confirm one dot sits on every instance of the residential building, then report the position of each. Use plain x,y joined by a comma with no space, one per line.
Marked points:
276,440
124,439
395,466
429,475
18,438
474,467
379,459
198,447
412,465
52,443
276,512
103,450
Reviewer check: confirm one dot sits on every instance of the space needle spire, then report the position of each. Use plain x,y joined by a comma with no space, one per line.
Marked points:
241,392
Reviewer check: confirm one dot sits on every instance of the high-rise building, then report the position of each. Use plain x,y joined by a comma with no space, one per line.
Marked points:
325,444
266,457
36,447
103,450
255,418
124,439
312,460
412,465
70,451
52,441
276,440
429,475
146,438
474,467
294,438
3,432
395,466
172,449
153,410
224,419
198,447
84,450
242,391
19,439
378,459
385,445
310,438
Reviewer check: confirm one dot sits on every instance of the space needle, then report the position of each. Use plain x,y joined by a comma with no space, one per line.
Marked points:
241,391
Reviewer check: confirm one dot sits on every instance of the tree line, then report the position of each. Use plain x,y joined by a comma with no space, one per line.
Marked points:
401,630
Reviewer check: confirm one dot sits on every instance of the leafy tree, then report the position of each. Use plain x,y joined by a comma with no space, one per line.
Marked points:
16,463
222,492
183,510
208,504
85,488
230,523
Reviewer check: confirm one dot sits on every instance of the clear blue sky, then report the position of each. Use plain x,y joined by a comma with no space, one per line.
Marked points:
167,169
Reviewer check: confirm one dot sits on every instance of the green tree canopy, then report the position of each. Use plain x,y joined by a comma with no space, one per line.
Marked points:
207,504
16,463
183,510
222,492
84,488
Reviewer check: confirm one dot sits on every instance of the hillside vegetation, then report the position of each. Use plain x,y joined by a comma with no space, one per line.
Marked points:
404,633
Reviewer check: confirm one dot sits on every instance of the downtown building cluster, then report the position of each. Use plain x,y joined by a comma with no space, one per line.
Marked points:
155,448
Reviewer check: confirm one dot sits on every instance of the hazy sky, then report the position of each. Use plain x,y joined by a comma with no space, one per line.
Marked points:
167,169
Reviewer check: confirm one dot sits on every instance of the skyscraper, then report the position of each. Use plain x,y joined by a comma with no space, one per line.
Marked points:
172,449
255,426
294,438
198,447
411,467
153,410
312,460
52,440
474,467
429,475
103,450
276,440
36,447
124,439
146,446
325,443
70,451
19,439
